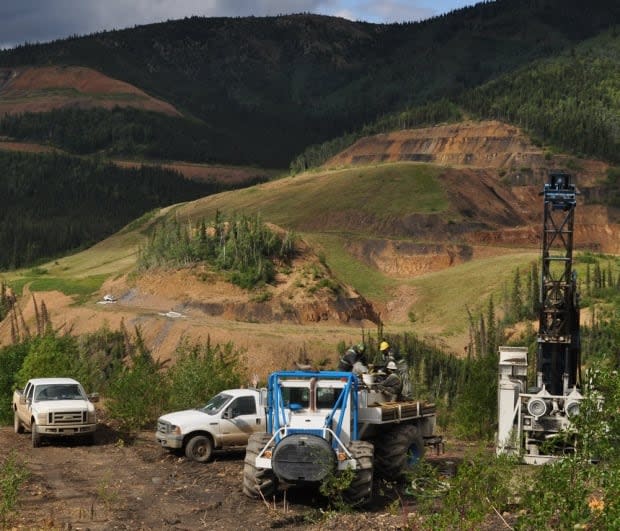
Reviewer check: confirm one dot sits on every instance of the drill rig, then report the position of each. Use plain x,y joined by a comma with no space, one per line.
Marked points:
534,421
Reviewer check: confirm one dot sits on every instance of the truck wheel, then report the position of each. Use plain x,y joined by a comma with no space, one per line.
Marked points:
258,482
398,451
36,437
17,425
199,448
359,491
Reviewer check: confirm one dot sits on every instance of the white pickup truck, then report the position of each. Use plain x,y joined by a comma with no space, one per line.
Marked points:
224,423
54,407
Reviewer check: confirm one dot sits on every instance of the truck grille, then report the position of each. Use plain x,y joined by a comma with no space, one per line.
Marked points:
163,427
67,417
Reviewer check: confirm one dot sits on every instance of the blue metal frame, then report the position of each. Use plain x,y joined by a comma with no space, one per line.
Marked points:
276,415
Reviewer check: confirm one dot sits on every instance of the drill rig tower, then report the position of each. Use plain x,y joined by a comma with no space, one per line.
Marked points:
533,420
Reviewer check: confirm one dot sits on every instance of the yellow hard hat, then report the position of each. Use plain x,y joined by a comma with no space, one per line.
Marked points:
384,346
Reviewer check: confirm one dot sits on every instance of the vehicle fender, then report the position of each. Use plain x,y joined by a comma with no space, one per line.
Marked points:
217,441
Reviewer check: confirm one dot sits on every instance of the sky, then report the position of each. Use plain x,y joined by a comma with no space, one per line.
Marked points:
45,20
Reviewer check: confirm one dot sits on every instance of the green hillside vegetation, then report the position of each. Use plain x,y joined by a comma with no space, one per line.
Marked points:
55,203
570,101
244,247
446,297
124,131
338,200
279,84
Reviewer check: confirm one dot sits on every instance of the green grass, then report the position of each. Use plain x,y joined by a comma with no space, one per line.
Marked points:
80,288
140,222
369,282
313,200
444,297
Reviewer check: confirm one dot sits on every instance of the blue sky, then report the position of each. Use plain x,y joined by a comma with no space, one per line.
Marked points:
44,20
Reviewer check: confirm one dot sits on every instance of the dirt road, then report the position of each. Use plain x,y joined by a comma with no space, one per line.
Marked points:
139,486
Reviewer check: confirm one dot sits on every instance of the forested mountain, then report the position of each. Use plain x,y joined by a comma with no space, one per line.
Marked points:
269,87
262,90
55,203
570,101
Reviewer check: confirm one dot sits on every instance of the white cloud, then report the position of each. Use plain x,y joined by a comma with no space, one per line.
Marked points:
44,20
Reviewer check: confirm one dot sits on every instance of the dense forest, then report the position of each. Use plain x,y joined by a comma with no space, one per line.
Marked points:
570,102
55,203
279,84
124,131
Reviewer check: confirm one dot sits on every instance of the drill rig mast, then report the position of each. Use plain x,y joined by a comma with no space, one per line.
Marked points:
532,420
558,361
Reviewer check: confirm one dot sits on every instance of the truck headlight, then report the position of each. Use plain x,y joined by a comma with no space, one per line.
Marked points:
91,417
175,430
41,418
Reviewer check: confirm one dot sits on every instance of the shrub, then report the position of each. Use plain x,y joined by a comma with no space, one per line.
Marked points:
138,394
11,359
202,371
49,355
480,485
139,390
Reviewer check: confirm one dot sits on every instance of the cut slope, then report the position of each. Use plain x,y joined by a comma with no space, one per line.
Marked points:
487,144
41,89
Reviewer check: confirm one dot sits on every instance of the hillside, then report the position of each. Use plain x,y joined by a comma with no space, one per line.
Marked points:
209,98
40,89
433,241
275,85
412,225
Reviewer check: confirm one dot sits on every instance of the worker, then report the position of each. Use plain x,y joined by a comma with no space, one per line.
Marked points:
392,385
386,352
354,360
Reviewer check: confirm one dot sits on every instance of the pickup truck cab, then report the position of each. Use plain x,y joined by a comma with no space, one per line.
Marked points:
54,407
224,423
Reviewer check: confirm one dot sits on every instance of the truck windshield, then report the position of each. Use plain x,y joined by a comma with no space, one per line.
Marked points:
58,392
298,397
216,403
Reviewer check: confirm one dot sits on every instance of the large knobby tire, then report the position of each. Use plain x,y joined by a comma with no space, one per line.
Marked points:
359,491
199,448
36,437
258,482
17,425
398,451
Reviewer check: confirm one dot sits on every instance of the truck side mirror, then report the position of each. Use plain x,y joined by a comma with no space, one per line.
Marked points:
22,399
227,414
93,397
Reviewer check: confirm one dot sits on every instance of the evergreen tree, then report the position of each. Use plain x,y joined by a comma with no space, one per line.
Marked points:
516,297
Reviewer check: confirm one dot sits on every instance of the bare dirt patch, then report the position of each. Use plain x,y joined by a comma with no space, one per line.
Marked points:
302,315
205,172
26,147
41,89
114,485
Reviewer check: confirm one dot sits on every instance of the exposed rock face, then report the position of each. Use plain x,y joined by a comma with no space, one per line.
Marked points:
493,178
324,308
